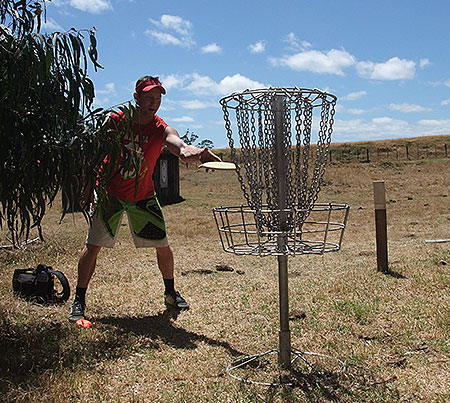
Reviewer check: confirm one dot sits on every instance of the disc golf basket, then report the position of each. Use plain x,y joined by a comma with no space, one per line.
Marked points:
283,139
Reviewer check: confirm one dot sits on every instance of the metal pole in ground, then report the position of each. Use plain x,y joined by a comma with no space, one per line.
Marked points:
284,354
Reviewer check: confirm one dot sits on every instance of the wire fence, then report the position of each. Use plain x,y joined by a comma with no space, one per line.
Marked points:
407,152
362,153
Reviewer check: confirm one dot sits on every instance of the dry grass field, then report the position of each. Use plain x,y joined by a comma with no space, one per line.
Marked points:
392,330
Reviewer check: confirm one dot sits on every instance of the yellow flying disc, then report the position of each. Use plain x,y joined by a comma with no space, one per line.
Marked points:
219,165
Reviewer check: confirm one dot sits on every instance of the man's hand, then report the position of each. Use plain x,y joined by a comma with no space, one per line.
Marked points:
206,155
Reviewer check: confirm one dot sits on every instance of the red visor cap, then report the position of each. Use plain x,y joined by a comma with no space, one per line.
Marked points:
147,85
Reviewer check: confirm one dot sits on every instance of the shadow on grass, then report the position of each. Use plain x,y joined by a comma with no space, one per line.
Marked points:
394,274
291,385
354,386
33,352
161,328
261,377
30,352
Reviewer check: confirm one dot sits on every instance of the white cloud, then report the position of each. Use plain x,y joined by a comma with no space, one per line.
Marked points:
387,120
354,111
51,25
174,23
408,108
447,83
374,129
354,95
387,128
204,85
106,97
171,30
435,126
424,63
330,62
183,27
237,83
442,124
173,81
445,102
393,69
183,119
165,38
257,47
110,89
196,104
295,43
91,6
212,48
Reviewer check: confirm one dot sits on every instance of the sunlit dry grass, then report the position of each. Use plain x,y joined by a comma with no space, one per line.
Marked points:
392,330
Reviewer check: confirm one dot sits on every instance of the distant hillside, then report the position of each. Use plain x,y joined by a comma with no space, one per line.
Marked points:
422,141
410,148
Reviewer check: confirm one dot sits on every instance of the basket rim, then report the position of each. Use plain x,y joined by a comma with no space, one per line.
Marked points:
309,94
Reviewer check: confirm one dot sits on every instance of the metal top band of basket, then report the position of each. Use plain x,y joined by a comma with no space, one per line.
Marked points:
252,98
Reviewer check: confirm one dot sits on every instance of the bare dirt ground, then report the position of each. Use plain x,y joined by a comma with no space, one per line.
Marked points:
392,330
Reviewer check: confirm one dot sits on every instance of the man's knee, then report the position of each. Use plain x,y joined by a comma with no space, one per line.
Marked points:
91,250
164,250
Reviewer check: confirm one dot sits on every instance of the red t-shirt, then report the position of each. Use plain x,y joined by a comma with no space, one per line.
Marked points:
149,140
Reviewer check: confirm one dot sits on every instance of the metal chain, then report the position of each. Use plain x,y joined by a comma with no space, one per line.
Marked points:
255,123
321,155
234,156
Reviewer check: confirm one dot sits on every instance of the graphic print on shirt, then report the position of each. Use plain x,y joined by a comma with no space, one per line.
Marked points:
138,158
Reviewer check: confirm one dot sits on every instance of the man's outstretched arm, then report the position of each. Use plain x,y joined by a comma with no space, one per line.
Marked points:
187,153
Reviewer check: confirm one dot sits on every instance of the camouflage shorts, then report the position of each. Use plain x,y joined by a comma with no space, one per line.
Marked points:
145,219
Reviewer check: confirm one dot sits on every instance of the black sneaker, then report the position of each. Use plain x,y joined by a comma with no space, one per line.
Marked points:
76,311
175,301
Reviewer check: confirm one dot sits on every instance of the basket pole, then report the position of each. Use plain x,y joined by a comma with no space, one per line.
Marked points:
284,353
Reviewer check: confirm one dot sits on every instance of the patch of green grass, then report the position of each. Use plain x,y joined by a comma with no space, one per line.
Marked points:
443,345
362,311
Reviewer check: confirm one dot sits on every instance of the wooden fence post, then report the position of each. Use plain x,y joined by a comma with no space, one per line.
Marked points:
381,225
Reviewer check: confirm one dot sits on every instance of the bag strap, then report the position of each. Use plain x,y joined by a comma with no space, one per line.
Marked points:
65,294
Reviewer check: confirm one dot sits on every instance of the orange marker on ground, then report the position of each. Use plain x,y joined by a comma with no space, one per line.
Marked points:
84,323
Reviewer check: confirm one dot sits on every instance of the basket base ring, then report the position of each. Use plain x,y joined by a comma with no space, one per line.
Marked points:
329,368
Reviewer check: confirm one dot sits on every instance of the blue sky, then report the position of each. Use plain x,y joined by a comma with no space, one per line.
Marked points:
386,61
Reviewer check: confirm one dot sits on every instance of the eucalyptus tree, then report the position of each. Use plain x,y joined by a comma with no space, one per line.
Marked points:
52,142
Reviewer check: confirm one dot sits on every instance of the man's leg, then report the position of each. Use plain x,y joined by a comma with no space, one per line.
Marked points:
86,264
165,262
86,268
166,266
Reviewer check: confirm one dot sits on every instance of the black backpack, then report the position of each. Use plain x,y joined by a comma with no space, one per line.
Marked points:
38,284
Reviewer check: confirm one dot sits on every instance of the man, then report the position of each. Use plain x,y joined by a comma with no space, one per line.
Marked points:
144,213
